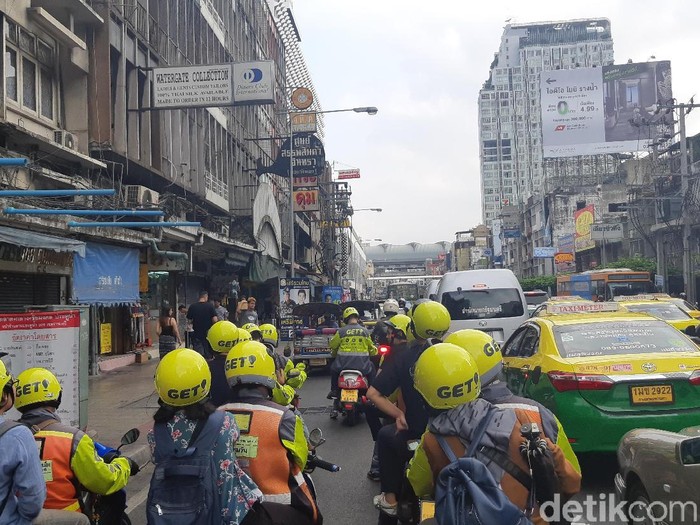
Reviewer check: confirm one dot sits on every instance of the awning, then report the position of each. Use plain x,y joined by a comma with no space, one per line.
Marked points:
39,240
263,268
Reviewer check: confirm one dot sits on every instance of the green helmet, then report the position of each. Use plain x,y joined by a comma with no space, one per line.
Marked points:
349,312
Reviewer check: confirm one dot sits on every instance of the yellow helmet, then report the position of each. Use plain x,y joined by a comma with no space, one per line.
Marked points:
269,333
5,377
349,312
483,349
243,336
399,322
182,378
222,336
446,376
252,329
248,363
429,319
37,386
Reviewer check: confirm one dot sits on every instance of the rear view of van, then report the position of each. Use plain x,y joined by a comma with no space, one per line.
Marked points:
488,300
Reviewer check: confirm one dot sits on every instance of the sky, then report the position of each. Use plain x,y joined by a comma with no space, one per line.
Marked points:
422,64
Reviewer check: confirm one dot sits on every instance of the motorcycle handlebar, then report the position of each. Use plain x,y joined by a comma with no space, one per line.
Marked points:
325,465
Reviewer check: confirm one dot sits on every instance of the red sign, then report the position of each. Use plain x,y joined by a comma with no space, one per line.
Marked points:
305,182
348,174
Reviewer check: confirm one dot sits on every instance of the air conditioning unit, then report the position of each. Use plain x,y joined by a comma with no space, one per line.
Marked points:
141,196
64,138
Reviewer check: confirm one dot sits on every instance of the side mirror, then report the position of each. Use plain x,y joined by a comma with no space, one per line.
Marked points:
130,437
689,451
536,374
287,352
316,438
691,331
432,297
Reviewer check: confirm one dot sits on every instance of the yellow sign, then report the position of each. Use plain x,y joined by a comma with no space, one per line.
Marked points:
583,219
105,338
427,510
143,278
243,421
303,122
656,394
246,447
348,396
563,257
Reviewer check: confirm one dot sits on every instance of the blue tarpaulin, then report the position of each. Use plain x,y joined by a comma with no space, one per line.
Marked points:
107,275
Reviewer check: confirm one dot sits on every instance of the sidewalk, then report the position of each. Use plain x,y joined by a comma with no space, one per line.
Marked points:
122,399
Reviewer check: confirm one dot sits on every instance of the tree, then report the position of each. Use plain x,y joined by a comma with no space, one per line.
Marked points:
638,264
547,283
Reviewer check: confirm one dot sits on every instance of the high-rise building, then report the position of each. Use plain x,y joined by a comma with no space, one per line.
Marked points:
512,167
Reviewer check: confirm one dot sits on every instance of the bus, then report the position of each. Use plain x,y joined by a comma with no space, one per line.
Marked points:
409,287
606,284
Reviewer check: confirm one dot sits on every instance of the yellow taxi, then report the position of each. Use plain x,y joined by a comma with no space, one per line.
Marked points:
570,300
604,371
684,305
665,310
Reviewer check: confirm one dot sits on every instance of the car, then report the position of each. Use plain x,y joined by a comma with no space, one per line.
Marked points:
684,305
662,309
312,341
572,305
534,298
662,467
604,373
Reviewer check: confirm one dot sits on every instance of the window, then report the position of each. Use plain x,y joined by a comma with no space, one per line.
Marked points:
30,72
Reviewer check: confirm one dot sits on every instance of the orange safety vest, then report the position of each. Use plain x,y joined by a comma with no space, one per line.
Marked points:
56,443
261,454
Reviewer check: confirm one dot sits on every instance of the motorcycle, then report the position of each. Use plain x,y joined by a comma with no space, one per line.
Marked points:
110,509
353,387
313,461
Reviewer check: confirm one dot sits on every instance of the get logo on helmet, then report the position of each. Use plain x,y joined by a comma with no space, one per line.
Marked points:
187,393
458,390
33,388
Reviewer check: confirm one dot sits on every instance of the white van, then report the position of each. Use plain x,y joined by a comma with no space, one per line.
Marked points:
432,290
488,300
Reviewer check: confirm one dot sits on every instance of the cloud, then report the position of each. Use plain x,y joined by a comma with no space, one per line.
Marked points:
422,64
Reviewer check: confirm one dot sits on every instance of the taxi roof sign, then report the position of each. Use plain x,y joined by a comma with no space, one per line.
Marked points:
640,297
580,308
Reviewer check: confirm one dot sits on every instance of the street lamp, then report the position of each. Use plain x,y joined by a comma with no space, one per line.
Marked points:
379,210
370,110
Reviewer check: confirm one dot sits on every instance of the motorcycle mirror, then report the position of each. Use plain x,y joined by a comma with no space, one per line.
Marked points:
316,437
131,436
287,352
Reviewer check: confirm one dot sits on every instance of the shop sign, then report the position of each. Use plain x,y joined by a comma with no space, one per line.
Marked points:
583,219
303,122
106,275
348,174
305,182
544,252
561,258
293,291
106,338
308,154
306,200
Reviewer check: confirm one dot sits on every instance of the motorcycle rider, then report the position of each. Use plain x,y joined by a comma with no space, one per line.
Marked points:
380,332
397,327
184,370
272,448
445,366
292,375
352,348
68,455
489,361
429,319
253,330
222,337
22,485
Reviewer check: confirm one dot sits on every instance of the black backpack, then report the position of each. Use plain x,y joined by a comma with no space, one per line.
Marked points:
183,488
466,492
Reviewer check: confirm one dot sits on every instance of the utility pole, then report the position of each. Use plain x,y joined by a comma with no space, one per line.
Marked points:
688,274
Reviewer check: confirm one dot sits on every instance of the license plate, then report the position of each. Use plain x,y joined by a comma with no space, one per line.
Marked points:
427,510
651,395
349,396
317,362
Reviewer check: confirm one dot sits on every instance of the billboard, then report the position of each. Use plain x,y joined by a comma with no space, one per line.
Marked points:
544,252
609,109
583,219
306,200
308,155
332,294
348,174
293,291
213,85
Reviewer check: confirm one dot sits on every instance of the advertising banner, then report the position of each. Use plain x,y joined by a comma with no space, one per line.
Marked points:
106,275
348,174
544,252
607,232
332,294
254,82
565,243
46,340
511,233
292,292
306,200
583,219
609,109
193,86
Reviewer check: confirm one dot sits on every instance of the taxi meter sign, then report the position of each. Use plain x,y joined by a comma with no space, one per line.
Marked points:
640,297
578,308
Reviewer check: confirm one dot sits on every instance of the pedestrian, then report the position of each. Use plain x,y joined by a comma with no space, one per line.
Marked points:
168,332
179,418
202,315
22,485
453,423
428,320
221,312
247,313
222,336
183,326
67,454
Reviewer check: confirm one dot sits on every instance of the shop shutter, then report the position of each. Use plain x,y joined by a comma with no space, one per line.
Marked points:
20,290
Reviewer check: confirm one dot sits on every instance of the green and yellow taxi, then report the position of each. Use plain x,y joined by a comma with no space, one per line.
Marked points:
605,371
663,309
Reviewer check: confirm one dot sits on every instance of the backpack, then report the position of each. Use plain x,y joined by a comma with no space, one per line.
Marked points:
4,427
183,488
466,492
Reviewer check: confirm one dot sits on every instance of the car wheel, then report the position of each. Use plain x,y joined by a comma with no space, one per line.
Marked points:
638,511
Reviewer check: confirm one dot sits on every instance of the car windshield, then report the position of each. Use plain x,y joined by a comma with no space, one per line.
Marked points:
490,303
667,311
630,288
536,298
620,338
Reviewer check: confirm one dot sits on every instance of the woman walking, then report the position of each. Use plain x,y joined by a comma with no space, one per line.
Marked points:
168,334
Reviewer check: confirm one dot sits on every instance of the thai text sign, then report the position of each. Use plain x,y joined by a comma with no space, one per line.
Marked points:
348,174
583,219
293,291
607,232
303,122
305,182
544,252
306,200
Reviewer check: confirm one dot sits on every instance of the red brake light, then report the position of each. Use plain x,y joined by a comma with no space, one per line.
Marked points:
695,378
566,381
384,349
